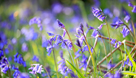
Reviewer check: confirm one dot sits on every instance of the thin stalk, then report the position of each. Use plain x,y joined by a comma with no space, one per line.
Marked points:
72,45
55,63
9,73
133,27
0,73
90,54
108,34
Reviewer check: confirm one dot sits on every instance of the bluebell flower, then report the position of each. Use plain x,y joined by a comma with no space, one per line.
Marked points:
49,49
77,54
134,9
50,34
127,62
24,47
108,12
36,68
6,50
14,41
127,18
35,58
83,62
110,65
19,59
94,33
97,13
118,74
64,33
23,75
113,41
78,43
1,53
35,36
4,65
13,67
16,73
60,24
117,23
125,31
130,4
100,27
37,21
45,43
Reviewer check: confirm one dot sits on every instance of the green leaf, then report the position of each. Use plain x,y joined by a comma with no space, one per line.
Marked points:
81,76
128,73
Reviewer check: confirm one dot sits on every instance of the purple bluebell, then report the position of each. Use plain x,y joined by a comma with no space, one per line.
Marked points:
78,43
57,8
118,74
108,12
85,48
49,49
78,54
6,50
115,45
60,24
83,62
16,73
100,27
9,58
110,65
36,68
134,9
80,30
23,75
94,33
113,41
19,59
35,36
14,41
1,53
4,65
130,4
69,45
50,34
13,67
119,42
45,43
127,18
24,47
37,21
127,62
117,23
125,31
97,13
35,58
64,33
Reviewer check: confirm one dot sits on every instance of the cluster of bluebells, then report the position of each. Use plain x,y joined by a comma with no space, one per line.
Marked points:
36,68
19,59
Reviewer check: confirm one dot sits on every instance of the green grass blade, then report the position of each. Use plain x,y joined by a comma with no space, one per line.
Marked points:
128,73
81,76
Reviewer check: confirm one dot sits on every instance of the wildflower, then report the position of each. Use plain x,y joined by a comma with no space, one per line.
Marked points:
35,58
50,34
127,18
4,65
83,62
134,9
16,73
118,74
100,27
78,43
130,4
23,75
117,23
37,21
77,53
94,33
60,24
127,62
24,47
108,12
125,31
36,68
19,59
110,65
97,13
113,41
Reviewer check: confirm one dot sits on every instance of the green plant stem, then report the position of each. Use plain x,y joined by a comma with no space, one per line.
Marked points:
9,73
0,73
72,46
55,63
93,62
133,27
